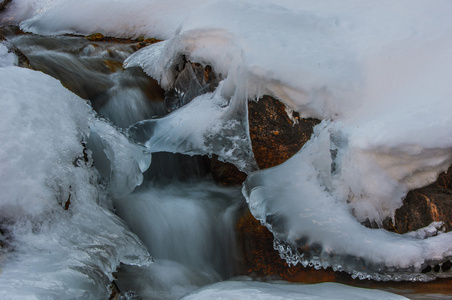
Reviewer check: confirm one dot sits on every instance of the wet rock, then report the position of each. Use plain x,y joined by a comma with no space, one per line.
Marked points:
113,66
95,37
260,260
136,43
276,134
146,42
423,206
225,174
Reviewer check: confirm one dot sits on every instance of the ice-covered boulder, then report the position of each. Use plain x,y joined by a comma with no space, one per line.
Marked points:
55,216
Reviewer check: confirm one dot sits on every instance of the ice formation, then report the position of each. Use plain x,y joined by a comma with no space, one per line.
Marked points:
377,72
314,227
210,124
374,83
55,220
6,58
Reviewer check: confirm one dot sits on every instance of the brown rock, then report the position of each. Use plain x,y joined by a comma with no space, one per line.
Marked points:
425,205
95,37
138,43
113,66
261,260
225,173
275,137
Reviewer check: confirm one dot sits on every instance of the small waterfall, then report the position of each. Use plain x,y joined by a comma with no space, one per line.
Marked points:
93,70
188,228
185,220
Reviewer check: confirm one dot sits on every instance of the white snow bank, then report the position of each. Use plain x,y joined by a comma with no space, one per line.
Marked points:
319,57
284,291
42,126
50,251
120,18
378,70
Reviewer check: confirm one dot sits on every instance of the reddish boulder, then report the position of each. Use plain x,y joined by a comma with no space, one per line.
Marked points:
275,135
425,205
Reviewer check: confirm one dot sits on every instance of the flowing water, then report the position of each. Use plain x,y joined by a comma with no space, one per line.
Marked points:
186,221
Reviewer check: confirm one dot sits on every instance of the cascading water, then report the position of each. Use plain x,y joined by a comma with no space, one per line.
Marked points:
189,229
184,219
94,72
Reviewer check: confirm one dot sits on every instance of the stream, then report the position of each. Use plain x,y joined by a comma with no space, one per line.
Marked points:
186,221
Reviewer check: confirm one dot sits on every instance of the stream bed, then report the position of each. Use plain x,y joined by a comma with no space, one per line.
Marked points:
184,219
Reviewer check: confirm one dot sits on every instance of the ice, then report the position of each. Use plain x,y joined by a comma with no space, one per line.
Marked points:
314,225
55,219
245,289
435,228
120,162
210,124
377,73
7,59
375,81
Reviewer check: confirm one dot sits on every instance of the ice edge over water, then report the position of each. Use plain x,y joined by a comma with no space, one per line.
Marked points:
55,217
314,226
212,123
387,80
373,142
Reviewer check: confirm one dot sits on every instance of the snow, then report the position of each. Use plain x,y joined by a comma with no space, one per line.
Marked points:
386,87
143,18
27,134
72,253
376,73
303,212
242,289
